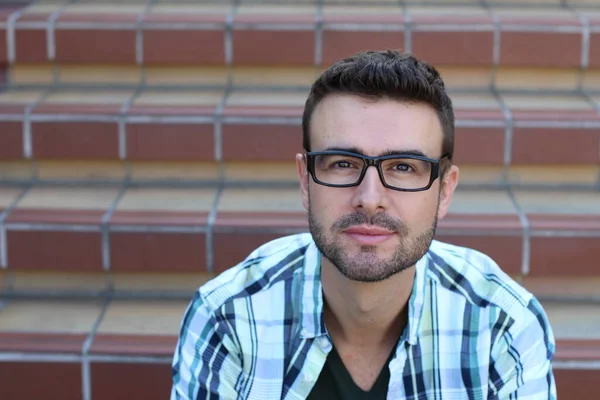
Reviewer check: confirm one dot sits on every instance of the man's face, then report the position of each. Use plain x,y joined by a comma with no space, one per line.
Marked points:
369,232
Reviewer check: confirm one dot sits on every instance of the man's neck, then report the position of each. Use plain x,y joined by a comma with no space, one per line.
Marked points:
365,315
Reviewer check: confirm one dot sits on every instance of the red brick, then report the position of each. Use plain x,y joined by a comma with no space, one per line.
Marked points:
255,142
575,384
126,381
260,47
479,146
39,380
594,50
31,46
564,256
95,46
555,146
170,142
506,251
184,46
155,251
11,140
532,49
75,140
54,250
342,44
454,48
227,255
3,52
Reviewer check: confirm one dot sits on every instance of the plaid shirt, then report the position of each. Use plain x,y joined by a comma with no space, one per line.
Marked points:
257,331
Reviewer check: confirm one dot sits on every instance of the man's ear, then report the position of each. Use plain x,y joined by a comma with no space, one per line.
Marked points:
303,176
448,185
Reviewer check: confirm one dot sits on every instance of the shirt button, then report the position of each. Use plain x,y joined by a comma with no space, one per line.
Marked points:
309,377
323,342
304,332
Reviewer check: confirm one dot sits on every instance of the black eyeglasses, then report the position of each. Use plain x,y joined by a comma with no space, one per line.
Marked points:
403,172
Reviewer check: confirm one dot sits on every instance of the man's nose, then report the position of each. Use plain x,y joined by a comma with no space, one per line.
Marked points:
370,195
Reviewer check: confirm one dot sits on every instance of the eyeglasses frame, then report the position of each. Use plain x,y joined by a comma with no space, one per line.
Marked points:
373,162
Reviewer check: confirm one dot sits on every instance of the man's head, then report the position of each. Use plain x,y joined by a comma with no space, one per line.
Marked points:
374,222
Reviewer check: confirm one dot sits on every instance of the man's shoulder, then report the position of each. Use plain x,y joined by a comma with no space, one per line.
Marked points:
268,265
474,275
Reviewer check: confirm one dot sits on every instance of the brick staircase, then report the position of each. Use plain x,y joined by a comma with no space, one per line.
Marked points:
147,145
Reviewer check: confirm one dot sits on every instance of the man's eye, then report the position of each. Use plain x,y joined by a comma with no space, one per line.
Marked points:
403,168
342,164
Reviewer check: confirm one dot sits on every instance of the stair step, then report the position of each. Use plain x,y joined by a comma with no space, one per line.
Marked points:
177,126
137,338
196,33
187,230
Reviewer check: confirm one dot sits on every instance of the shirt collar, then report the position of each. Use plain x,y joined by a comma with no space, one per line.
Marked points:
312,323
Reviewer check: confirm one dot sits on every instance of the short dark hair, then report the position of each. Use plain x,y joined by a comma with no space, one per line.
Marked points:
384,74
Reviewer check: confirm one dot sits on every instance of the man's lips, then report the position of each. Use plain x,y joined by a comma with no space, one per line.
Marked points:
369,235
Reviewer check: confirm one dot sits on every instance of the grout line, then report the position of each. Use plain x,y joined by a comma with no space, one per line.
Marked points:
585,46
407,30
218,126
61,357
576,364
42,227
210,248
495,47
291,120
27,119
167,295
508,135
86,376
32,226
123,121
526,255
11,44
139,34
3,216
319,34
51,41
228,37
105,232
51,29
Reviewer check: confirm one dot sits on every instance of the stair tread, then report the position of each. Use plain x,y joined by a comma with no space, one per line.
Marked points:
151,327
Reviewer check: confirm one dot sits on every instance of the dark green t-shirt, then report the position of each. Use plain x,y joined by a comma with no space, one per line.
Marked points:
335,382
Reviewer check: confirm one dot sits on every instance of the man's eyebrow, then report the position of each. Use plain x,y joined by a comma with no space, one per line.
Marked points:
413,152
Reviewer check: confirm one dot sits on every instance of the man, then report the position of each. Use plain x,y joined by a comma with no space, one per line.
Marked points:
368,305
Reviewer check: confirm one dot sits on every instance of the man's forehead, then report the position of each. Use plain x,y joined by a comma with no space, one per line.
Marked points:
376,127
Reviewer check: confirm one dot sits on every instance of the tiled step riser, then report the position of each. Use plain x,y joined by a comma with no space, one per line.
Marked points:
195,230
186,252
190,252
245,35
116,381
108,380
183,141
129,346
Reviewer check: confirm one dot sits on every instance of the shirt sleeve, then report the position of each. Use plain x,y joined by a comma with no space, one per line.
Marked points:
206,363
521,358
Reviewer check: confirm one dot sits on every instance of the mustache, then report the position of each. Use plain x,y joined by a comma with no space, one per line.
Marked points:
380,220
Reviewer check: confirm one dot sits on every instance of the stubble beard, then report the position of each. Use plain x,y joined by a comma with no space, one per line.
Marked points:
367,266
